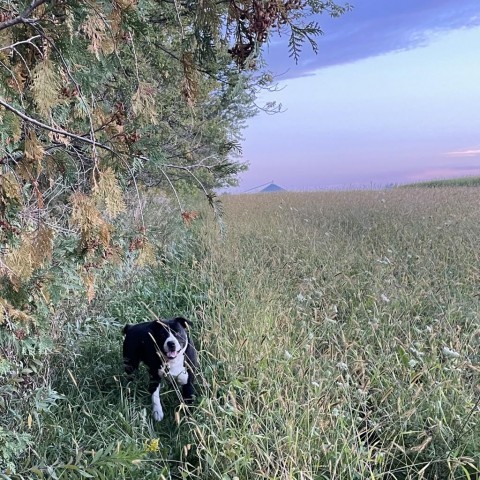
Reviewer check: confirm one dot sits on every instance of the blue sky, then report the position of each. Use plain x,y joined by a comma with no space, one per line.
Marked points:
392,96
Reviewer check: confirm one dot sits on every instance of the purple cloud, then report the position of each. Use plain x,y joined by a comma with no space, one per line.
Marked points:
372,28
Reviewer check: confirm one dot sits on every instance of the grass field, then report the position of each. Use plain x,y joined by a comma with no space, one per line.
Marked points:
339,338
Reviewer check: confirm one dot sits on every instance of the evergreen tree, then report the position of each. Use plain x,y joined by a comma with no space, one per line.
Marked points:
98,97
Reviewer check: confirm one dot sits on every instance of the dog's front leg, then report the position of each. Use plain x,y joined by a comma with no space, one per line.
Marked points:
154,389
188,393
157,405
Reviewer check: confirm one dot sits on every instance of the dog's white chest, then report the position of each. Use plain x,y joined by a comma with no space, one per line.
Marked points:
175,370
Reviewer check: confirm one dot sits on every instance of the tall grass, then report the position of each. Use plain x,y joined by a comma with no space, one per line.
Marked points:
338,336
350,336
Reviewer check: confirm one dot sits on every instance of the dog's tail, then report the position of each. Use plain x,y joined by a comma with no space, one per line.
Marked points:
125,329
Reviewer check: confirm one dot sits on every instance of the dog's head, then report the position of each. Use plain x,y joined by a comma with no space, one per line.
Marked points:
171,336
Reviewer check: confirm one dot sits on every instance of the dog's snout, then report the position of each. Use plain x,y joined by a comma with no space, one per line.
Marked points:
171,345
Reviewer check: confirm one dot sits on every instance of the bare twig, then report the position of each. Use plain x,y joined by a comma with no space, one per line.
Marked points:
187,168
23,17
13,45
55,130
174,190
177,10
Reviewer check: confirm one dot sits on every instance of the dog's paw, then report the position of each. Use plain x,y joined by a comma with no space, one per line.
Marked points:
158,414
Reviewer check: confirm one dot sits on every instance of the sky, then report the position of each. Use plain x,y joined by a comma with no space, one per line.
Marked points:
393,96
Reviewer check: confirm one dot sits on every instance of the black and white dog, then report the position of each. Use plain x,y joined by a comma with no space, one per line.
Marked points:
165,348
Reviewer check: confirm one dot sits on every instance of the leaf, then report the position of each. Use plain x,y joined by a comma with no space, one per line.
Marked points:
190,79
19,263
125,4
96,29
19,77
422,446
42,245
6,37
58,137
32,252
7,309
298,35
189,216
34,151
89,281
85,474
10,189
46,87
37,472
88,219
11,125
143,103
450,353
107,191
403,356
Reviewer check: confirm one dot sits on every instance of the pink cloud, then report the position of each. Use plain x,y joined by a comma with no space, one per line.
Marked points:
473,152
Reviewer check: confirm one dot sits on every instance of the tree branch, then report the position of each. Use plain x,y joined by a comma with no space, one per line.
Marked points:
186,168
13,45
23,17
55,130
201,70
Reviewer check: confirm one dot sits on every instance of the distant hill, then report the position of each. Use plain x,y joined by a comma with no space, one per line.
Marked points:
272,188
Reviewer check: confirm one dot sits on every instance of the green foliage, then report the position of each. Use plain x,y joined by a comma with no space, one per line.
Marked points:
451,182
12,445
101,101
298,37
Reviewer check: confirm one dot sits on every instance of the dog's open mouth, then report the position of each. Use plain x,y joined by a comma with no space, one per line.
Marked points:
172,354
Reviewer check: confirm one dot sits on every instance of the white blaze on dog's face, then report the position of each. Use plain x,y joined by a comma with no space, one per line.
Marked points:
174,339
174,343
171,347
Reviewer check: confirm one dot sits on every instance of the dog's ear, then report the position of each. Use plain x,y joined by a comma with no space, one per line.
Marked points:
183,322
